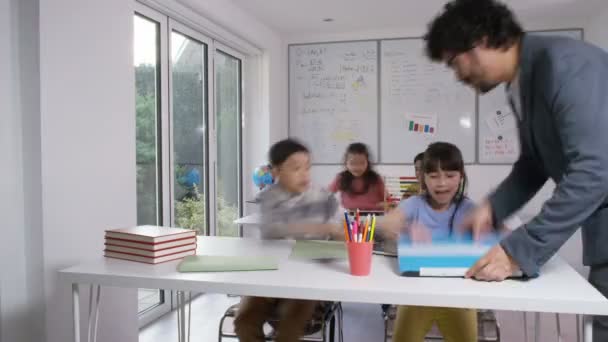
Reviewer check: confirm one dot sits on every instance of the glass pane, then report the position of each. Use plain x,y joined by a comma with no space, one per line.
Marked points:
147,109
148,299
188,71
228,120
147,104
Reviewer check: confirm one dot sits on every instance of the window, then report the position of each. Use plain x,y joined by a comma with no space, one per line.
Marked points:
188,170
228,128
189,121
147,108
147,112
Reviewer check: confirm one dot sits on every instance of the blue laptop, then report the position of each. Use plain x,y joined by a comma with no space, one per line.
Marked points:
443,257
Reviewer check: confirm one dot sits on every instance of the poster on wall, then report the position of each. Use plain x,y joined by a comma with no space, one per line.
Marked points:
421,124
498,148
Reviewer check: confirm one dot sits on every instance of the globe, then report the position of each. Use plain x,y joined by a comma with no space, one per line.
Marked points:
190,179
262,176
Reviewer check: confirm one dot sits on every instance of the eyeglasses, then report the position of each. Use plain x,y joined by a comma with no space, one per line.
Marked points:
450,60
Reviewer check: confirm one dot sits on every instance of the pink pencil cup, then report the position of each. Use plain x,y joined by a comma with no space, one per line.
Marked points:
360,257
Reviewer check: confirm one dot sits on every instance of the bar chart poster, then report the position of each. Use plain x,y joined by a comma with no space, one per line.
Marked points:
421,124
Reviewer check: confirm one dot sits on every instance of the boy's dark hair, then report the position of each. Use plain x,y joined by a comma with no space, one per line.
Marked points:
370,176
281,150
447,157
465,23
419,157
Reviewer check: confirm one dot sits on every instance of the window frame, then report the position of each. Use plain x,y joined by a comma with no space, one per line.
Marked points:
221,48
169,20
208,108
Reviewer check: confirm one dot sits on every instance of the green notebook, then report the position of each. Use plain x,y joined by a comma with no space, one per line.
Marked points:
214,263
314,249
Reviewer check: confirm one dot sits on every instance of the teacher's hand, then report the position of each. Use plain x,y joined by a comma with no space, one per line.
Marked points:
479,221
496,265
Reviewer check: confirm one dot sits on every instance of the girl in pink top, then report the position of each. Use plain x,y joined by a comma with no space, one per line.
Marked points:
360,186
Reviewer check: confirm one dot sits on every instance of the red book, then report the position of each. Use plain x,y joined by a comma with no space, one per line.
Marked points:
148,253
149,260
151,246
150,234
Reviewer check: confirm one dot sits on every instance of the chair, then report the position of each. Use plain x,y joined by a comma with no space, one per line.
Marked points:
487,325
316,331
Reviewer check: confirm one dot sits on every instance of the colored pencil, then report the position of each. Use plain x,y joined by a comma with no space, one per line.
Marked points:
371,236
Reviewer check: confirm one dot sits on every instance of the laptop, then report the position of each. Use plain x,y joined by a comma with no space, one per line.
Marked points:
443,257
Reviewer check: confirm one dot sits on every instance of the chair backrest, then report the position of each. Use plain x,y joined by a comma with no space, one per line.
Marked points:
398,187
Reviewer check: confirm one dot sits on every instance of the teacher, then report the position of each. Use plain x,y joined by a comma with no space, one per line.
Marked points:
558,90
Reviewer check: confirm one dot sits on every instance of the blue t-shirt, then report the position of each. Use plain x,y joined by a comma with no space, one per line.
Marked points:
417,209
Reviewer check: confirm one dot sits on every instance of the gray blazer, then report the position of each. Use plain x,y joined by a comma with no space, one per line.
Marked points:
564,135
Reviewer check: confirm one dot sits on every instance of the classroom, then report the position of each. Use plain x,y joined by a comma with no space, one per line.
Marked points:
125,113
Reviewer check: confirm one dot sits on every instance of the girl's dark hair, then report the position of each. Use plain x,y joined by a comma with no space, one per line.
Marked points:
447,157
281,150
464,23
370,177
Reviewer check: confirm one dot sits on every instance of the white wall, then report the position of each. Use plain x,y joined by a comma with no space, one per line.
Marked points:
595,29
88,136
13,299
21,296
88,151
29,107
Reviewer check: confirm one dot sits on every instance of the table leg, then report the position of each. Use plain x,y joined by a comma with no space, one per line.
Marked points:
183,335
578,328
537,327
96,312
559,328
90,323
332,329
588,328
181,315
76,311
525,326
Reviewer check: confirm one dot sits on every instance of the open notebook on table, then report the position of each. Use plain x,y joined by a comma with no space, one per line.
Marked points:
443,257
318,250
216,263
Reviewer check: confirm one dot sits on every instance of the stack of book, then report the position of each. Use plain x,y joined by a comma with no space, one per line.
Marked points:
150,244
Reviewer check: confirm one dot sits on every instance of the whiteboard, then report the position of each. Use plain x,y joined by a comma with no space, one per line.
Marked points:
333,97
421,102
498,141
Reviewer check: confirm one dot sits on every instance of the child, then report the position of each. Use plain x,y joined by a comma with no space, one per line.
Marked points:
416,189
418,166
290,209
437,213
360,186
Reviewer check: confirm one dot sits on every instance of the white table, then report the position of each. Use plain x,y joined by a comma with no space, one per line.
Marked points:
559,289
253,219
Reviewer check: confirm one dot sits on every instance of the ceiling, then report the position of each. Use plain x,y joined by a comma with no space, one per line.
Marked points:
306,16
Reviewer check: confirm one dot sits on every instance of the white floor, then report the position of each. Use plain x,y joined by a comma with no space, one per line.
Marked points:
363,322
